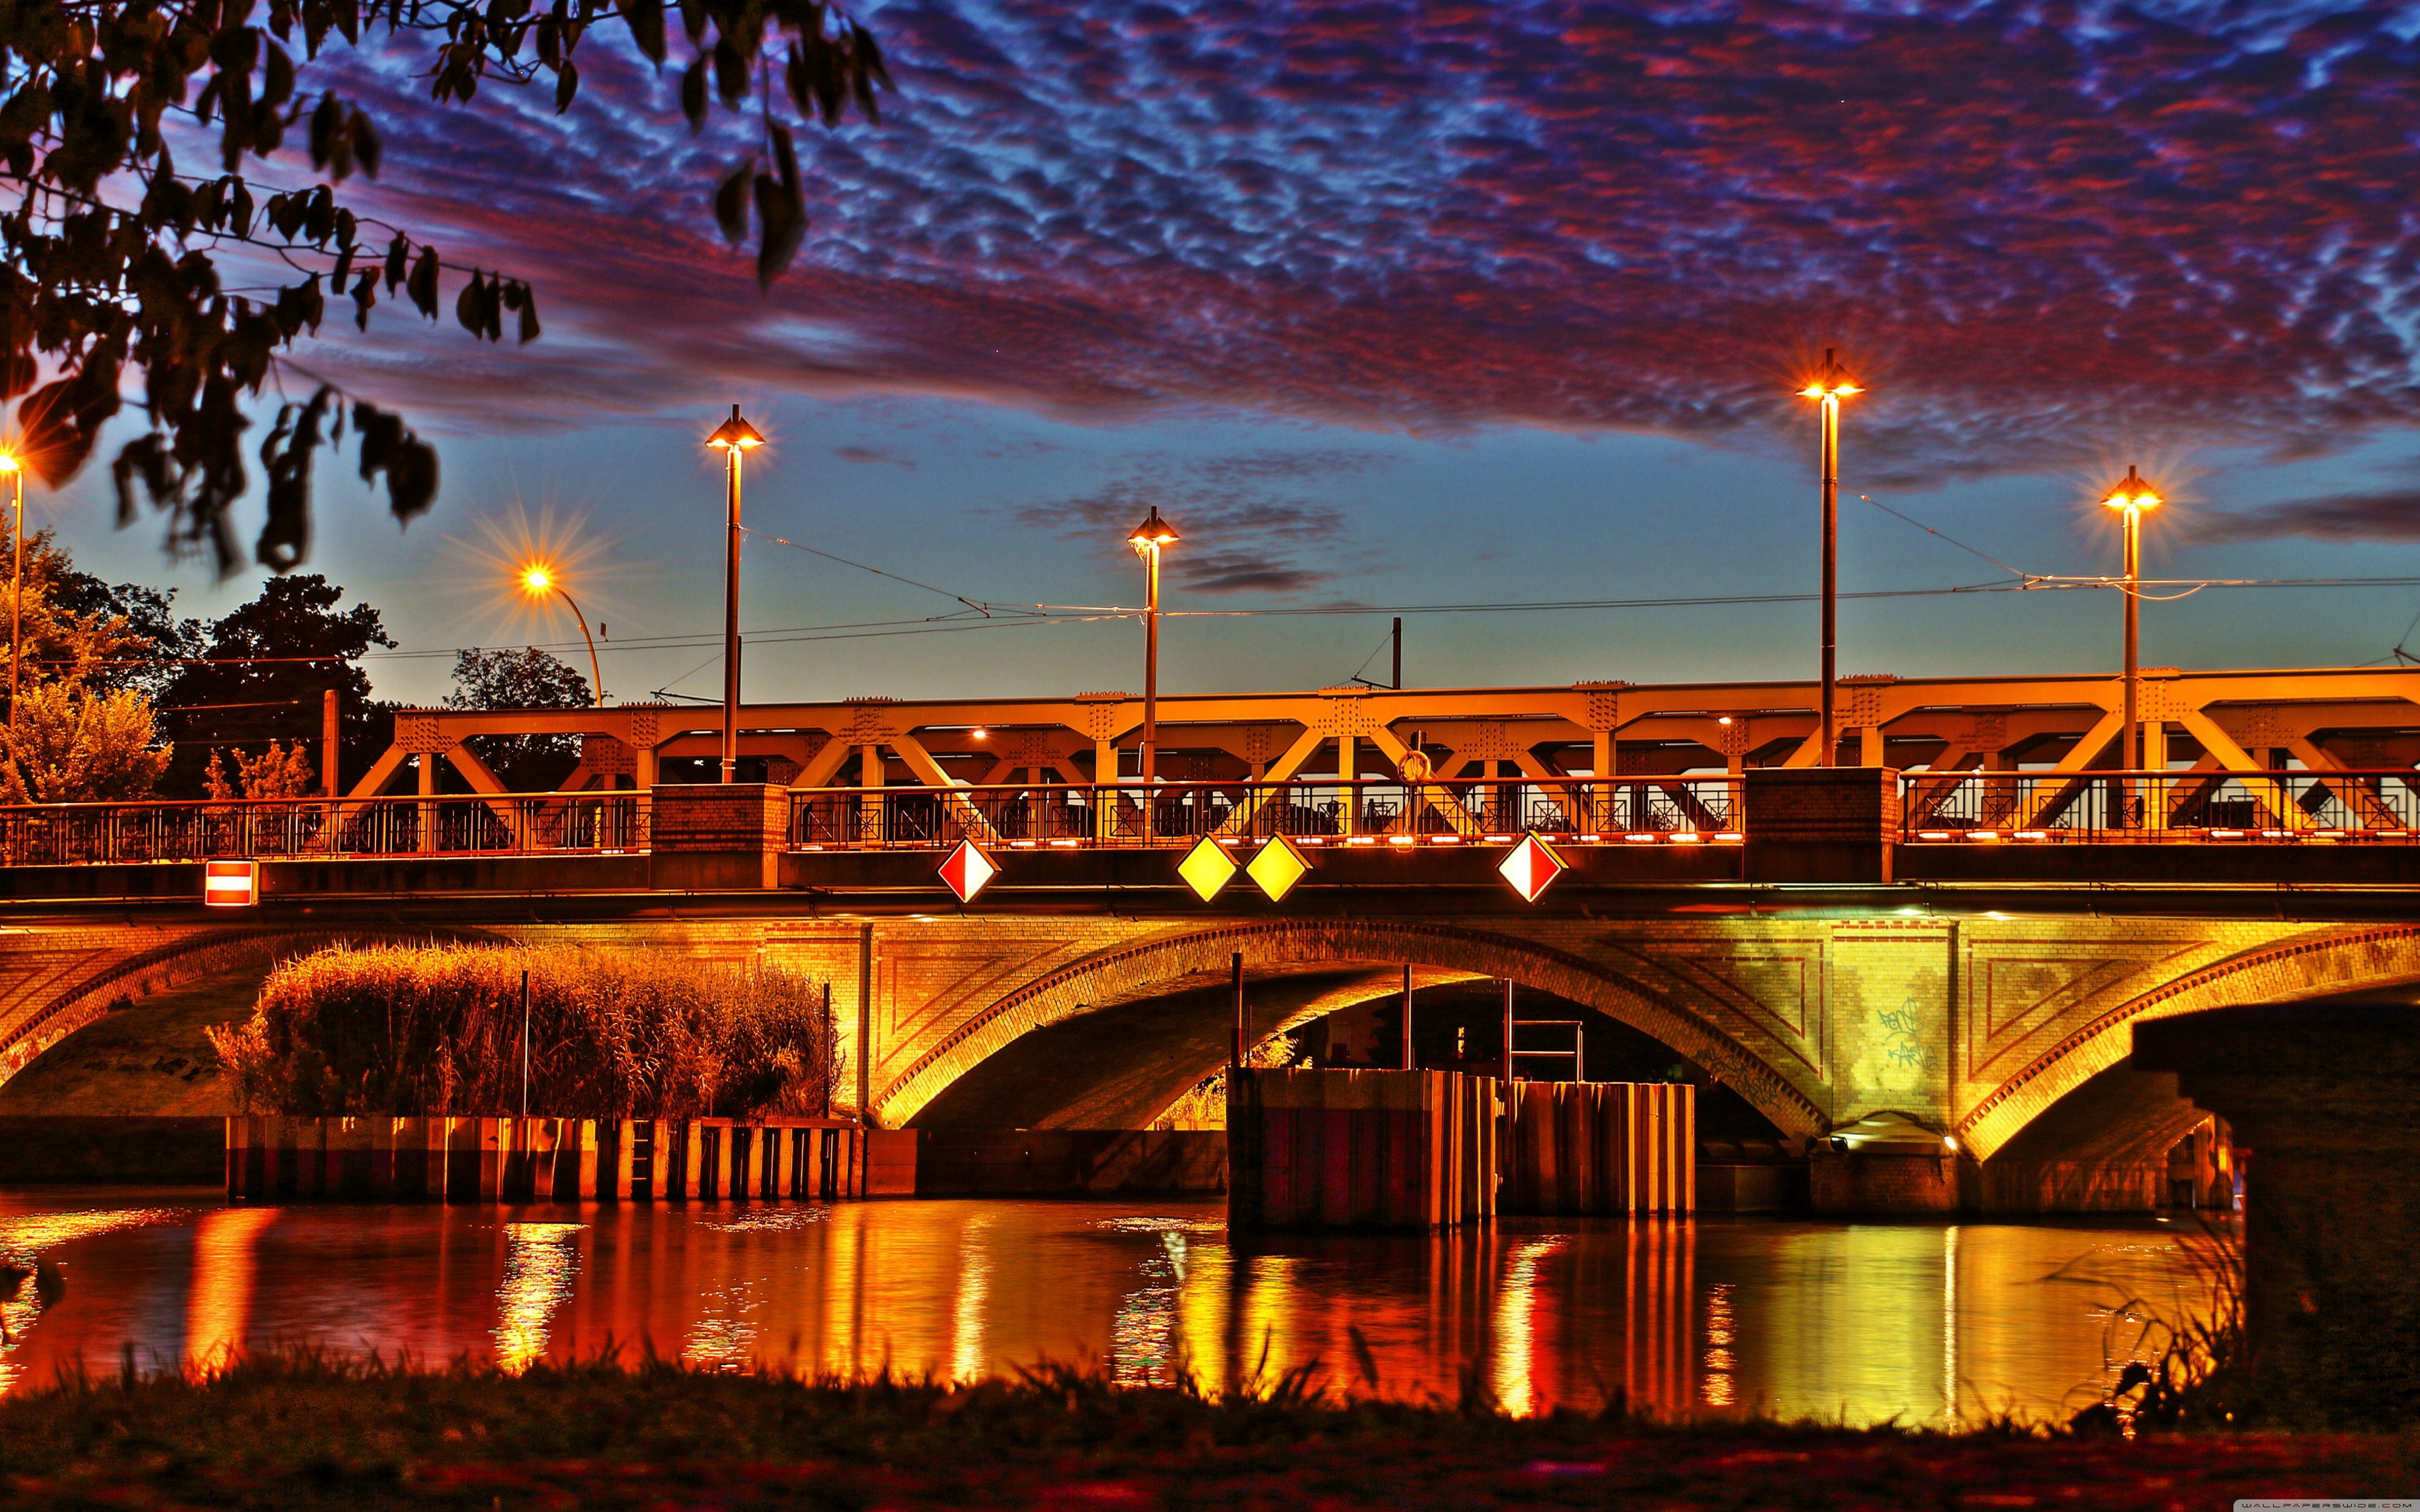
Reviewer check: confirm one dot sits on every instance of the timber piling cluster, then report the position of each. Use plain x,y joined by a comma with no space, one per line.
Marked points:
272,1157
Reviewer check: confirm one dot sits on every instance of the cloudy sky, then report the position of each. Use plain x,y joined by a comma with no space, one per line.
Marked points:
1424,304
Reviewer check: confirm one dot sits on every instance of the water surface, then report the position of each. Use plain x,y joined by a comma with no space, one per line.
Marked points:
1925,1323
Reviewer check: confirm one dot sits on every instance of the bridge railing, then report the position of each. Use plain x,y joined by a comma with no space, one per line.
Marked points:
2160,807
502,825
1128,816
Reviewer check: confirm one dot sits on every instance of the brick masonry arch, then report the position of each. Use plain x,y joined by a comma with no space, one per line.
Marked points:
1196,958
2325,964
86,996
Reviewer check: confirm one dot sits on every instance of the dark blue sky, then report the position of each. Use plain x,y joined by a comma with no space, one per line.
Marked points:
1425,304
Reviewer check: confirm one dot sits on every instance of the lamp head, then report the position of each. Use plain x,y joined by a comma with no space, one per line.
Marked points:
9,463
735,435
537,579
1831,383
2133,494
1154,531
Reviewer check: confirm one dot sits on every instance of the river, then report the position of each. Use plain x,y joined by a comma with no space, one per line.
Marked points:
1928,1323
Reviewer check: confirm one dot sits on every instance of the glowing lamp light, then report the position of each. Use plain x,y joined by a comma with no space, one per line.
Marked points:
230,884
2133,494
1530,868
735,435
8,462
1152,532
537,581
968,869
1278,867
1206,867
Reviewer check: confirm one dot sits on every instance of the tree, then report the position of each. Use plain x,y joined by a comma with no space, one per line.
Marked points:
279,772
78,745
82,728
109,258
270,663
524,679
150,616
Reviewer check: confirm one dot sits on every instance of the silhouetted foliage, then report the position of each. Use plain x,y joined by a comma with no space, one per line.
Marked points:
524,679
111,269
270,661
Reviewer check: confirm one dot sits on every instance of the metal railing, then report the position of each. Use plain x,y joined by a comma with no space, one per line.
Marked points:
1370,811
505,824
2153,806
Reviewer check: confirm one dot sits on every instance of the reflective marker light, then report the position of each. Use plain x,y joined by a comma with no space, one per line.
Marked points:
1207,868
230,884
968,869
1530,866
1278,867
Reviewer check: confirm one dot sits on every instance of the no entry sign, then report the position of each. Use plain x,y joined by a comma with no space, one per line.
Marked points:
230,884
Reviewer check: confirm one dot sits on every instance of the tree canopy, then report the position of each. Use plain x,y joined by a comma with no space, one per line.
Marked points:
523,679
268,664
110,257
81,728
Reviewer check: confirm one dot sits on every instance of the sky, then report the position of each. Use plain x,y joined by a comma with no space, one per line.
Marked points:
1413,304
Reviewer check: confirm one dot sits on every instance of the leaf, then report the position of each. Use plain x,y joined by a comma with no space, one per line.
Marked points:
647,28
529,316
366,143
466,306
694,94
422,287
365,299
396,252
781,221
567,84
731,203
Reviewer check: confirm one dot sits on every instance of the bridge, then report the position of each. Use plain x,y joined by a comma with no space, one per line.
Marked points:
1959,925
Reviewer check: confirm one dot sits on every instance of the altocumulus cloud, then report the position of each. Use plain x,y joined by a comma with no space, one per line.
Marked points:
2029,224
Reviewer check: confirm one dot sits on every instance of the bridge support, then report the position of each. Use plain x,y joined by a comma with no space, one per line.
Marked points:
1818,824
2327,1101
720,837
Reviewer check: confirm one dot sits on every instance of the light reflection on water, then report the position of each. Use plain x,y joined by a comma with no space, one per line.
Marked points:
1859,1322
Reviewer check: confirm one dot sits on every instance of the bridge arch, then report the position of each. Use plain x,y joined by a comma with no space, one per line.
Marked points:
2327,963
1199,959
96,994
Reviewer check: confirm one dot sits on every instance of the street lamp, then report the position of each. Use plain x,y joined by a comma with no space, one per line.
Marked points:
2130,499
1147,539
537,581
1829,388
16,471
733,437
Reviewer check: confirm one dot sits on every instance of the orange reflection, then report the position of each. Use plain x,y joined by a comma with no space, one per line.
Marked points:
539,1262
30,1237
218,1308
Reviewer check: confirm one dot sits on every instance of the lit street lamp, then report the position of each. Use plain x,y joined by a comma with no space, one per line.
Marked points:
2130,499
1830,387
538,582
733,437
16,471
1147,539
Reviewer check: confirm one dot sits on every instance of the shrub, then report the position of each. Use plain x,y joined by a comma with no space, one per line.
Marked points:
436,1029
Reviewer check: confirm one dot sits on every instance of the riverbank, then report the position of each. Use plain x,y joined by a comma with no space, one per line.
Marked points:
304,1432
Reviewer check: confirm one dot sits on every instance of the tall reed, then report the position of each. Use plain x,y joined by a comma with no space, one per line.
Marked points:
437,1028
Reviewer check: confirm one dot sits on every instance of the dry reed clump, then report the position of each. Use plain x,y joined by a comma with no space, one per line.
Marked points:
436,1029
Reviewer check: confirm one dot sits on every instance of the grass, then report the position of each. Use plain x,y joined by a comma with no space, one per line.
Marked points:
304,1430
425,1029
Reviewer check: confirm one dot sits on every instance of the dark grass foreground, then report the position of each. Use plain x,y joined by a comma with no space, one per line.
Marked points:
306,1432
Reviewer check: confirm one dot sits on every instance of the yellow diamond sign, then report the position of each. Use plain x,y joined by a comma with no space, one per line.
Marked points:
1206,867
1278,867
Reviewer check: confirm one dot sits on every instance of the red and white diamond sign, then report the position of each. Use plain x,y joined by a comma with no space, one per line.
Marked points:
968,869
1530,866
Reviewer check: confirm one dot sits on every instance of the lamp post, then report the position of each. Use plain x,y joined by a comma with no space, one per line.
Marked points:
1828,388
2130,499
16,471
1147,539
537,581
733,437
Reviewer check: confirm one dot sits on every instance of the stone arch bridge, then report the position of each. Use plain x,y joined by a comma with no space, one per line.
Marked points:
1974,1020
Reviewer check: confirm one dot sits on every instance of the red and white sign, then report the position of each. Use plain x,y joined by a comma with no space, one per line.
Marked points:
230,884
968,869
1530,866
